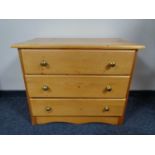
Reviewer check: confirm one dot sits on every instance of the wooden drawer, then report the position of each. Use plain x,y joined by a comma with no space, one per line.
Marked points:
48,61
77,107
77,86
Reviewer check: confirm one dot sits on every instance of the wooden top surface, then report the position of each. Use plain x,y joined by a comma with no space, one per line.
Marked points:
78,43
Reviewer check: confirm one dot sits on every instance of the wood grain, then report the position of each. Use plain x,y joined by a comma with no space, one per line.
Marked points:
77,86
121,119
77,107
78,43
77,75
77,120
78,61
33,119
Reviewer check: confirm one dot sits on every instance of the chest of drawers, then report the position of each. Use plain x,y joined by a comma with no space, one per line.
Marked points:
77,80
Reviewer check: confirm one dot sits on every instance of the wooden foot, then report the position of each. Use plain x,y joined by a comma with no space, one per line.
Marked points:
33,120
120,120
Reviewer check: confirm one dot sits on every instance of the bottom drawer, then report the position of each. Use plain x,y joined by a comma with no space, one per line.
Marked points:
77,107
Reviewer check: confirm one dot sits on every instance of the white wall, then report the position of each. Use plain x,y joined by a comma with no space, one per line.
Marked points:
12,31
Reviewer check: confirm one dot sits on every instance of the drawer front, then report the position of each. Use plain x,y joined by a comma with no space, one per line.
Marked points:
77,86
77,61
77,107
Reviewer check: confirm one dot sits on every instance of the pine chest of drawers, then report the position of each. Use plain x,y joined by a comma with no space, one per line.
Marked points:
77,80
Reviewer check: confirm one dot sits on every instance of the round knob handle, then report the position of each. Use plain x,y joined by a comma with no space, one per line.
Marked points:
112,64
45,87
108,88
48,108
44,63
106,108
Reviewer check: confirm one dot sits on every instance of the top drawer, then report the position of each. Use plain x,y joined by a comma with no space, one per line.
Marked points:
50,61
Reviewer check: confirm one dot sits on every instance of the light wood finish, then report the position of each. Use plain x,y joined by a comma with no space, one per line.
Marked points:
33,120
77,107
77,86
78,43
78,120
78,61
121,119
77,80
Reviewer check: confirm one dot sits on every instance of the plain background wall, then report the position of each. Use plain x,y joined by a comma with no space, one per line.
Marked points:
141,31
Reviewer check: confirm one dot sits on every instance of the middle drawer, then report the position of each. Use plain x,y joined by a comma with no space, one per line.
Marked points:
77,86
